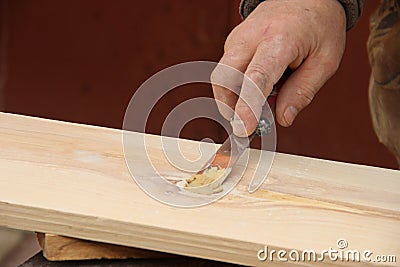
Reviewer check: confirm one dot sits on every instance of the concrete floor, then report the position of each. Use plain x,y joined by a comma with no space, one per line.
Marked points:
16,246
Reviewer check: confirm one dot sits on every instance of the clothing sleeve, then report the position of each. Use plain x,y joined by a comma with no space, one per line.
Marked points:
353,9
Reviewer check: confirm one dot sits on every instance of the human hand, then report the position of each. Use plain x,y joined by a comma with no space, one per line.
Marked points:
308,36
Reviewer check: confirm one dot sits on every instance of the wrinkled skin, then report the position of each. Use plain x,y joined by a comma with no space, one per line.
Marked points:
306,35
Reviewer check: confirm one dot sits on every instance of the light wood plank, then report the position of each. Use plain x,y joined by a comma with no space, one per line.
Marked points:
71,180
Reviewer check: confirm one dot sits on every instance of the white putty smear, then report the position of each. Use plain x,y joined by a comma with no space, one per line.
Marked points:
207,183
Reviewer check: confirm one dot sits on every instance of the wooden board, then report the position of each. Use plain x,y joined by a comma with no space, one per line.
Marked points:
71,180
61,248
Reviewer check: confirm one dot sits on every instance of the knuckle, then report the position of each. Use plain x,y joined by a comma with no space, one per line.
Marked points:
237,38
329,66
237,52
256,71
305,95
233,55
226,77
332,67
258,75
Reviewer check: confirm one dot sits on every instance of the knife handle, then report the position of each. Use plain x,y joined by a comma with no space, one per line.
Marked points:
265,123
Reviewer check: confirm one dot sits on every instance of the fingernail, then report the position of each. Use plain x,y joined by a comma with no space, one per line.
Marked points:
290,114
238,128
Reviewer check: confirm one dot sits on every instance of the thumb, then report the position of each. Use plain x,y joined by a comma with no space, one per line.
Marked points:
300,88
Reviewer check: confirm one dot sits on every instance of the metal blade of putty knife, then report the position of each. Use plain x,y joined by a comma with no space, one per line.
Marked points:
220,165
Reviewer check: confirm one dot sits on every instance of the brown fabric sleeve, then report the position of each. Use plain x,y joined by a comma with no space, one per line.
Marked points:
353,9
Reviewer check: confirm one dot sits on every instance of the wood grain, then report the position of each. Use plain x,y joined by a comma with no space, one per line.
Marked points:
61,248
72,180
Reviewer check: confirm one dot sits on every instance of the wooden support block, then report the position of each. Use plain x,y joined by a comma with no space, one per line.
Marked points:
60,248
72,180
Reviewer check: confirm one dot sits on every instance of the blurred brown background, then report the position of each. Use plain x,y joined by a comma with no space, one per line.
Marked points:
81,61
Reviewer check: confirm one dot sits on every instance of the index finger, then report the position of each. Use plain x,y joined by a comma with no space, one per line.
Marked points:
268,64
227,79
